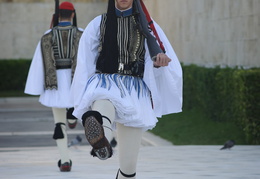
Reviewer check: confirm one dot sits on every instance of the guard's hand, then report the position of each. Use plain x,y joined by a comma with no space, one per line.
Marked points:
161,60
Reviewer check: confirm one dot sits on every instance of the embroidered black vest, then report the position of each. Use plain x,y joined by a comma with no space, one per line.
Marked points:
59,51
131,50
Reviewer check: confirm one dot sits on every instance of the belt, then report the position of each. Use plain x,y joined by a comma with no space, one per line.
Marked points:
63,63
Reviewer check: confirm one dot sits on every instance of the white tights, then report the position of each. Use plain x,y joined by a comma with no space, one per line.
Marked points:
59,115
128,138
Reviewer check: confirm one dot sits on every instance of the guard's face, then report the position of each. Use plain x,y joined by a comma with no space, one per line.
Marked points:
124,4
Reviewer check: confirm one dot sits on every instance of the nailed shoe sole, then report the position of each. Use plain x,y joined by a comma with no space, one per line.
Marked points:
96,137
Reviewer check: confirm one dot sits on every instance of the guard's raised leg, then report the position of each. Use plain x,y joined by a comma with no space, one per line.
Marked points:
107,110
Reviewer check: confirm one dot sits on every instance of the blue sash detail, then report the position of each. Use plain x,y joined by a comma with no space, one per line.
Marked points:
122,82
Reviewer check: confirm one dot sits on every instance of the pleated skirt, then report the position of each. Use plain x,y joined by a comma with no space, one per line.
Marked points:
130,96
60,97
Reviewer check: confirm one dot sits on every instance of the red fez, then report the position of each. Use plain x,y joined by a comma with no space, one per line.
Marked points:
67,5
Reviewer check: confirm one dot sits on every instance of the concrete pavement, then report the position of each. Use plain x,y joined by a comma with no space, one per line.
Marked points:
158,159
155,162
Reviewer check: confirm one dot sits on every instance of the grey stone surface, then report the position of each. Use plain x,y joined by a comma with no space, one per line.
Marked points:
203,32
155,162
158,159
23,24
211,32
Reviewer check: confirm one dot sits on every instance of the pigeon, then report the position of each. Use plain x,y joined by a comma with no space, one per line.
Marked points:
228,145
75,141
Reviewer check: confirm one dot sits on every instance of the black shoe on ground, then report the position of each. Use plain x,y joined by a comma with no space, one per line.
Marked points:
65,167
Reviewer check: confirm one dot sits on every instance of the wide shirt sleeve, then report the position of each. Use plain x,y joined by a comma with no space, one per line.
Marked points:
87,54
165,83
35,79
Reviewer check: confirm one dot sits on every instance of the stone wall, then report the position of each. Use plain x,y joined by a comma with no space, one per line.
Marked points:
211,32
23,24
203,32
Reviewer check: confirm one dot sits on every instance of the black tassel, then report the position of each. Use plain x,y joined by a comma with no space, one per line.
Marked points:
58,134
69,113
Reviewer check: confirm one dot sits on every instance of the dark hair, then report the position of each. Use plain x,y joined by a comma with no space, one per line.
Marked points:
64,13
107,61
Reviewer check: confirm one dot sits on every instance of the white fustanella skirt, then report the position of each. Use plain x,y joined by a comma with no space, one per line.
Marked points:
129,95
